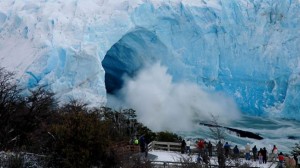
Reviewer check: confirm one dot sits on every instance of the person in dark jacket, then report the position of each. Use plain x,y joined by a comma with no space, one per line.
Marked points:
254,151
209,147
226,149
183,146
142,143
220,154
236,152
264,154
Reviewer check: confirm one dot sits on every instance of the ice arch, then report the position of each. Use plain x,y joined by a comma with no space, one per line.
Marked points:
130,54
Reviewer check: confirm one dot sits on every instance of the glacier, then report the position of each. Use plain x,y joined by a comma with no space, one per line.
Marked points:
248,49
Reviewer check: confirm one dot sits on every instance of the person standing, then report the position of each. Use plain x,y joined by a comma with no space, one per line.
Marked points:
209,147
226,149
281,160
264,154
260,156
274,152
142,143
201,146
254,151
236,152
247,151
188,146
220,154
183,146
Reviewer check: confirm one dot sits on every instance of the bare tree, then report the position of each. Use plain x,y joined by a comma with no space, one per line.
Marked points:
9,97
216,130
219,135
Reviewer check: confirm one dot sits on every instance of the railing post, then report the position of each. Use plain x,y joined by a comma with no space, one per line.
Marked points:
168,147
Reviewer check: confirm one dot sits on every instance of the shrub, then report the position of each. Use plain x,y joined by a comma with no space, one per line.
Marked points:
80,139
168,137
8,99
32,113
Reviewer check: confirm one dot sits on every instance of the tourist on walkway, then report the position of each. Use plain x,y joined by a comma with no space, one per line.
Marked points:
254,151
274,152
236,152
220,154
188,147
209,147
142,143
201,146
264,154
226,149
260,156
247,152
183,146
281,160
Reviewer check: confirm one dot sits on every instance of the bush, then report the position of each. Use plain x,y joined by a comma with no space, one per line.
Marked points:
31,115
21,116
8,100
168,137
80,139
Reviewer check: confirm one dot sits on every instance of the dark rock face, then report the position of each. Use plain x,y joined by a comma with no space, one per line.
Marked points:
240,133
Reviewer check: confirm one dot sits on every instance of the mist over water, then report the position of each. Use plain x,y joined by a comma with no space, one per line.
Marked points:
163,105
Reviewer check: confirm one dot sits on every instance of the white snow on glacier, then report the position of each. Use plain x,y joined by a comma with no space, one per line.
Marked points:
248,49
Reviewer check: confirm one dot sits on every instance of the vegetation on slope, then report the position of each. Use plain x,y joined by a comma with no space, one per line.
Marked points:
68,136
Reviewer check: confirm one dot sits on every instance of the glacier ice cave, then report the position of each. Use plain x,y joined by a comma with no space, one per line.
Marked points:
129,55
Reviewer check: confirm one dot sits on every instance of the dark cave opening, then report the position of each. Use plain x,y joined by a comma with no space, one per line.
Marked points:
130,54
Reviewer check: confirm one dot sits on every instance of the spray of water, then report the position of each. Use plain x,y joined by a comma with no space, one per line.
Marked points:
164,105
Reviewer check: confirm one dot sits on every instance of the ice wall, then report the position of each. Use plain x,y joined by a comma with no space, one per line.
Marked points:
246,48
